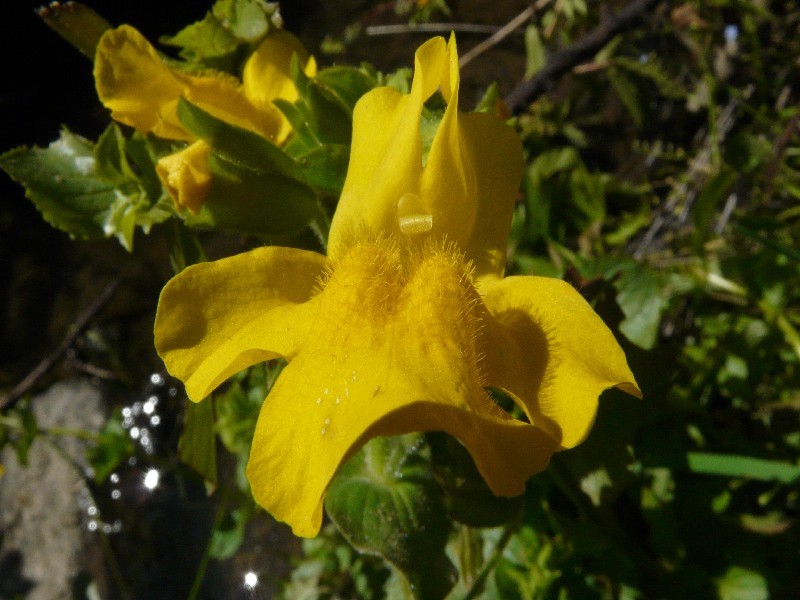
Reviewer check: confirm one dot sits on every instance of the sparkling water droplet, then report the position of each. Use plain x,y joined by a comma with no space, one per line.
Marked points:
322,431
319,400
326,391
327,420
354,375
338,400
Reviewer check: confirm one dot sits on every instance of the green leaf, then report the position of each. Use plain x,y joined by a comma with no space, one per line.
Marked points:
236,145
76,23
60,180
489,100
87,191
748,467
346,84
237,410
639,296
255,187
247,20
627,92
467,497
322,114
227,538
197,444
385,502
228,28
654,71
241,199
325,167
742,584
203,40
535,53
713,193
113,447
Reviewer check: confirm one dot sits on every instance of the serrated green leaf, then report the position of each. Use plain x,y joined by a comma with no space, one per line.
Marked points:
61,182
197,446
86,191
76,23
226,30
202,40
385,502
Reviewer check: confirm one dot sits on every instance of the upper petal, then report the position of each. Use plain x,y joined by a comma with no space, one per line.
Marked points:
217,318
141,91
464,193
391,351
135,85
546,346
385,169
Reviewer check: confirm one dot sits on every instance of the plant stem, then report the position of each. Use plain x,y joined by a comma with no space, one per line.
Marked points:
477,584
203,566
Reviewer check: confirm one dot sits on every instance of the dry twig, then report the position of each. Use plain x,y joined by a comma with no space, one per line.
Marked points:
47,363
569,57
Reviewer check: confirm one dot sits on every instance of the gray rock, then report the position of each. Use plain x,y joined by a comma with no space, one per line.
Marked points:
40,518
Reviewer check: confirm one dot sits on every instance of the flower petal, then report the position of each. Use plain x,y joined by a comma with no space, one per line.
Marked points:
386,155
549,349
389,353
141,91
186,176
267,75
470,180
217,318
135,85
464,193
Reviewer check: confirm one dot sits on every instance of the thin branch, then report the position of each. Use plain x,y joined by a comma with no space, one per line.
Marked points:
400,29
573,55
502,33
83,320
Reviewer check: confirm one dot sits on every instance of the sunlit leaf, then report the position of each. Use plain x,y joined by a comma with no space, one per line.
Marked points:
385,502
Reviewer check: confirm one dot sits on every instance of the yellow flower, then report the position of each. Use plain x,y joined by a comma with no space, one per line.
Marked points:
406,322
140,90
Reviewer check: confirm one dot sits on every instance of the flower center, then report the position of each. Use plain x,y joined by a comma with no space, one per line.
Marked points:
385,293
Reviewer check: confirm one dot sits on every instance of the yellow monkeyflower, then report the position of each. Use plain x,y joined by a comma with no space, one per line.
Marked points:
140,90
406,322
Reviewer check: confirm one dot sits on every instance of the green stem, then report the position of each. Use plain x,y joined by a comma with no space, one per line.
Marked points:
203,566
486,569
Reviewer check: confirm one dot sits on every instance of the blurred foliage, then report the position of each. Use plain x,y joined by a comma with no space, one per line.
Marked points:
663,181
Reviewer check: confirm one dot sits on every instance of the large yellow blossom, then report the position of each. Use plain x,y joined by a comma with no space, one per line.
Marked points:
407,321
140,90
